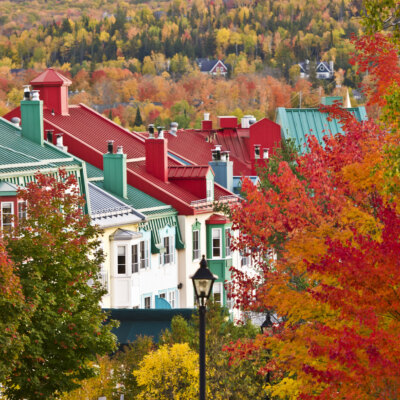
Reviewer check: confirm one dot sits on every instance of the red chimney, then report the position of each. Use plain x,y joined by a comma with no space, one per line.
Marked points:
53,89
157,154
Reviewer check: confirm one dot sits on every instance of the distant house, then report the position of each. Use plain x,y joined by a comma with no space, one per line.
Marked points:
323,69
212,67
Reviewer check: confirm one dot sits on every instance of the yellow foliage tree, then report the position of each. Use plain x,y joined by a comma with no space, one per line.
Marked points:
171,372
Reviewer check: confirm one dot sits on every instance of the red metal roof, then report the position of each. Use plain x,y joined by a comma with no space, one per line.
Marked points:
217,219
192,146
50,77
86,133
188,171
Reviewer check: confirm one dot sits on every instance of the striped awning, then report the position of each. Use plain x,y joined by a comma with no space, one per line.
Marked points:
154,225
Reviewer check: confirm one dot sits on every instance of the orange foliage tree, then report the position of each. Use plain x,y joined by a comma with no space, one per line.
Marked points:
332,218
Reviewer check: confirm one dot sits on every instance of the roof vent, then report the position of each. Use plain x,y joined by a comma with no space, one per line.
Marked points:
206,116
35,95
160,130
120,150
173,128
49,135
27,92
59,141
225,156
151,131
216,153
16,121
252,121
110,146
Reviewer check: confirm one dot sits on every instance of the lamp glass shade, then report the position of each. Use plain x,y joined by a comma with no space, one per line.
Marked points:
203,288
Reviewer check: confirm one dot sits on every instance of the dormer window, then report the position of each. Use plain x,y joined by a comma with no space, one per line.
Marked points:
256,151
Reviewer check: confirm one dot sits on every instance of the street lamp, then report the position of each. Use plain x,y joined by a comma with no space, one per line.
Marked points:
203,281
267,324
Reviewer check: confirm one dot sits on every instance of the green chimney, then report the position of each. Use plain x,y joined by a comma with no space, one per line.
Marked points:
114,169
32,119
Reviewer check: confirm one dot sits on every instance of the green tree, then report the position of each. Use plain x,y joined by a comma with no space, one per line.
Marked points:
56,256
138,118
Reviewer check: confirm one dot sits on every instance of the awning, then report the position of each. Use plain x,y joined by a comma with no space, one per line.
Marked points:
154,225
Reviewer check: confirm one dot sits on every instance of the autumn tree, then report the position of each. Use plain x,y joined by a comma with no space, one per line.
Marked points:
55,252
13,313
331,217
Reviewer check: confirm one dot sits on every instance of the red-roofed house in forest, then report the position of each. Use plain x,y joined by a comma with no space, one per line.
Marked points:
150,168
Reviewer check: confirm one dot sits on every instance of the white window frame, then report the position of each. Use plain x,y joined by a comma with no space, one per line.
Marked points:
218,290
219,230
22,209
135,263
172,298
118,261
144,254
11,214
196,250
228,252
145,298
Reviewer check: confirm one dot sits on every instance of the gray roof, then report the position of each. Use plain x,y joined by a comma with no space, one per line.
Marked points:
206,65
106,210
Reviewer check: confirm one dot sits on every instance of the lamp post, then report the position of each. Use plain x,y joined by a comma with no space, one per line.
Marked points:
203,281
267,324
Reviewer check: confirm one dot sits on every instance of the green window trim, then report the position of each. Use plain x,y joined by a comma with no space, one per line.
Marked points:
196,253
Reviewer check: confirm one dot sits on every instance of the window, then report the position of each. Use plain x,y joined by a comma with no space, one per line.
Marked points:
217,293
257,151
147,302
169,249
227,242
216,242
21,210
265,154
121,260
144,254
162,295
7,212
171,298
135,258
245,259
229,299
210,189
196,244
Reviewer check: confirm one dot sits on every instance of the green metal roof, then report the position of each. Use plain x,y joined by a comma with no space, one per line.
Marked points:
134,323
296,123
139,200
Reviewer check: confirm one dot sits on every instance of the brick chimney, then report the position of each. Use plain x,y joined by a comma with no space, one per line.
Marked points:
114,170
157,154
53,89
32,117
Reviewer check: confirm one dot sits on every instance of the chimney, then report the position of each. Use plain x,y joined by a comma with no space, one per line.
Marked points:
32,117
222,167
206,124
60,142
114,170
49,135
156,154
173,128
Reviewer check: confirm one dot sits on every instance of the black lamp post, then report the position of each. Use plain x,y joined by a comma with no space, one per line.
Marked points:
203,281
